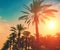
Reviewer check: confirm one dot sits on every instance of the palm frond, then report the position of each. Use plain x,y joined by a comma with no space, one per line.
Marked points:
29,23
13,28
50,10
19,27
44,7
32,8
25,12
22,17
50,14
44,17
40,1
27,8
28,20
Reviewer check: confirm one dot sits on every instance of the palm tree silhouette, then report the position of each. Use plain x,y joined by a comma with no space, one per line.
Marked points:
9,42
32,42
36,12
13,43
6,45
26,35
12,37
18,28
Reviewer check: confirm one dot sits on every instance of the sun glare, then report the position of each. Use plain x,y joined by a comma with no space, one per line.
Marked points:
51,25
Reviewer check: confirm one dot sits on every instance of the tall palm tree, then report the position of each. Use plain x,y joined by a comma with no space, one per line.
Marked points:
36,12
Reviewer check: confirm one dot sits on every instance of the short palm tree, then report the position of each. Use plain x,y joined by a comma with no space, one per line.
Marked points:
6,45
32,42
26,34
13,36
18,28
37,11
22,42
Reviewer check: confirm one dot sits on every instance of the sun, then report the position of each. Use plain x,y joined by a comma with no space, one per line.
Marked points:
51,25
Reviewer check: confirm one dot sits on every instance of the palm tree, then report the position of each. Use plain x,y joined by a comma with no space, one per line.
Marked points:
15,46
32,42
19,28
36,12
6,45
26,35
22,43
12,38
9,42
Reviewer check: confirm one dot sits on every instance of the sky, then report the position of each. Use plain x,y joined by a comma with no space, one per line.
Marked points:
10,9
10,12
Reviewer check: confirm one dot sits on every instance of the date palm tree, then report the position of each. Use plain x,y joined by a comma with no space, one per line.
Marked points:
18,28
37,11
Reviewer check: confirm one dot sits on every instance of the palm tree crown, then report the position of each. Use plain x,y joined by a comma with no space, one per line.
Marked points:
38,8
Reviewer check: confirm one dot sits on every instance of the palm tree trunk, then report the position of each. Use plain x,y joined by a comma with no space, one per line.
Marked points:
37,37
26,44
37,32
10,46
13,43
19,40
